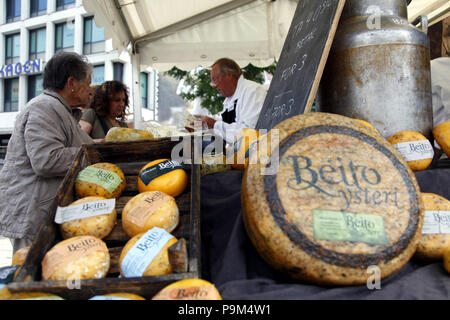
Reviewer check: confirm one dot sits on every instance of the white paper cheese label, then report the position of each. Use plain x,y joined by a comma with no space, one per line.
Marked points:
415,150
84,210
436,222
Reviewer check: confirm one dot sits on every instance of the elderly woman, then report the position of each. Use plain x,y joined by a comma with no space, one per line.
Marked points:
108,109
44,142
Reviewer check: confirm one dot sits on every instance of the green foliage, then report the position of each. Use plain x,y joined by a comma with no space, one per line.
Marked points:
197,81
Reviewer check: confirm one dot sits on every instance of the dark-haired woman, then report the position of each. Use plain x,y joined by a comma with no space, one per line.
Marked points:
108,109
44,142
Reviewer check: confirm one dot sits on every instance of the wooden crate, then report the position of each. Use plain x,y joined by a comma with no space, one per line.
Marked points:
130,157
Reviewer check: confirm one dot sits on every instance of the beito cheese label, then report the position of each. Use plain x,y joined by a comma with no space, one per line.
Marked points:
187,293
84,210
146,206
104,178
159,169
415,150
436,222
139,257
342,200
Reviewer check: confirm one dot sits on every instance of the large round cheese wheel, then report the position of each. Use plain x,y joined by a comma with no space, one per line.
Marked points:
98,226
163,175
189,289
82,257
436,227
333,199
117,134
441,134
102,179
414,147
159,263
147,210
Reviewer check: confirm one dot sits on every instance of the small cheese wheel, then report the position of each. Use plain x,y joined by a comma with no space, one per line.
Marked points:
431,246
102,179
447,259
147,210
189,289
98,226
243,145
34,296
441,134
20,256
214,163
159,265
119,296
367,124
117,134
168,179
82,257
413,136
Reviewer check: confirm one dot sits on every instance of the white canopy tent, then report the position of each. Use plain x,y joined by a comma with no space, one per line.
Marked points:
188,33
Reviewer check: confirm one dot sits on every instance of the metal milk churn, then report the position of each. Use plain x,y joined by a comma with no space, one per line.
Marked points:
378,68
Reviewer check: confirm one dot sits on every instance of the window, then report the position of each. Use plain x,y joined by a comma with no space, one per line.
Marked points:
64,4
12,48
94,39
37,44
64,36
144,90
11,94
12,10
118,71
38,7
34,86
98,75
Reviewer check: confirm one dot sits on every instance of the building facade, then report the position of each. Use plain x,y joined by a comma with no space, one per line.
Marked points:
31,31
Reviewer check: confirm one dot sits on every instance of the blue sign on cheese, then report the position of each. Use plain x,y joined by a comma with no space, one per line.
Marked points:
139,257
84,210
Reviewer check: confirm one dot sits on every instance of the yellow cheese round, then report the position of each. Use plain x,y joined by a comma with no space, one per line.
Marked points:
244,144
147,210
432,246
189,289
367,124
333,199
19,257
81,257
410,136
159,265
101,179
447,259
118,134
98,226
172,183
120,295
33,296
441,134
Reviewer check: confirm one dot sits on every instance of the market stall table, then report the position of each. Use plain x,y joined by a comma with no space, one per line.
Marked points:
231,262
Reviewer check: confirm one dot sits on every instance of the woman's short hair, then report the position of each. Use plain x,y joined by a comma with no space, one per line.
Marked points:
105,92
64,65
226,65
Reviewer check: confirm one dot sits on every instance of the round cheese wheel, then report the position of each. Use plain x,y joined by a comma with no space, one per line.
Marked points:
147,210
102,179
334,199
19,257
437,216
441,134
118,296
414,147
98,226
367,124
82,257
33,296
243,146
159,265
163,175
117,134
447,259
189,289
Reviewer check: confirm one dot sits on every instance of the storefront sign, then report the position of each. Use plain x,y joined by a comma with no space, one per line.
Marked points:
30,66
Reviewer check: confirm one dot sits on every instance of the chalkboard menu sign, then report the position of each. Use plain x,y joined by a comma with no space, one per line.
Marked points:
302,60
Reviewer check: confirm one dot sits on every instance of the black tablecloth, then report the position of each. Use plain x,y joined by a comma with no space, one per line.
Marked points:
230,261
